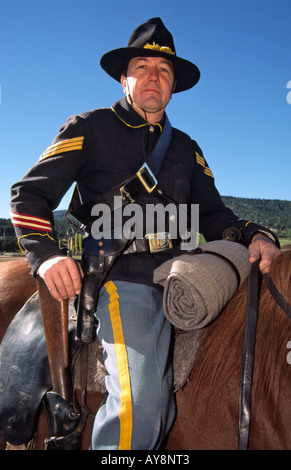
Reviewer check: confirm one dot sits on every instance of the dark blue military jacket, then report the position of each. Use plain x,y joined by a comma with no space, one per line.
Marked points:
98,150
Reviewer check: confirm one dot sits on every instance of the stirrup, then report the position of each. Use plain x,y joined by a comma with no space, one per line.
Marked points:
65,424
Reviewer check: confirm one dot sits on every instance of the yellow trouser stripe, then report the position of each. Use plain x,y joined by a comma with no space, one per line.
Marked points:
125,414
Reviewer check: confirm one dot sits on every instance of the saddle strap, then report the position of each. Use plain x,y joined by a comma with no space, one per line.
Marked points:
248,355
283,304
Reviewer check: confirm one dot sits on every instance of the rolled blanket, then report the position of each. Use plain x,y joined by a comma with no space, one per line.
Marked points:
198,286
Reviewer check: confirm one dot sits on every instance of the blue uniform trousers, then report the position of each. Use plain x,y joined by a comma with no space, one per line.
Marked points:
136,336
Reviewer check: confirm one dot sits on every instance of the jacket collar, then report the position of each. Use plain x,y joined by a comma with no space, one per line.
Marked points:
125,112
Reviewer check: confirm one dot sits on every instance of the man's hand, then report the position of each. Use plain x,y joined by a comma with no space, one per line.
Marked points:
63,277
264,247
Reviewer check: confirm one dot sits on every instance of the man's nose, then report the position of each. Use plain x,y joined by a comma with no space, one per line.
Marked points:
153,74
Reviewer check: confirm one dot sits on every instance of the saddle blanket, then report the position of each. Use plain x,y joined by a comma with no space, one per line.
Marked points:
198,286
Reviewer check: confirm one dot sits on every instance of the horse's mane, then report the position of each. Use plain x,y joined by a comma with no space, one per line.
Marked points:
221,348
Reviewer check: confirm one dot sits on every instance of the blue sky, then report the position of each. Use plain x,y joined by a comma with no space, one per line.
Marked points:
239,113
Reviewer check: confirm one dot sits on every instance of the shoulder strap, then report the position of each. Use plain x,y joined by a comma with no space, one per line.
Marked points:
144,180
155,159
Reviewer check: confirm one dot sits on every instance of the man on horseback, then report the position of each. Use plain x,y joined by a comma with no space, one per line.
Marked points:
100,150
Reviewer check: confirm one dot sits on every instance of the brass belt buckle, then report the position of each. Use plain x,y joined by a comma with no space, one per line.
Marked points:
160,241
147,178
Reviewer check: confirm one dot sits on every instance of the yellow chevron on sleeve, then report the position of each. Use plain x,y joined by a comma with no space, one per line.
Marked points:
201,161
208,172
63,146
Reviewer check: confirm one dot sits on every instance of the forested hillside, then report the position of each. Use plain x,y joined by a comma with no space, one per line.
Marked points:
274,214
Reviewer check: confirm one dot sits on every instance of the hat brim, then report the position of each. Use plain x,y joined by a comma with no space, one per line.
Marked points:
115,62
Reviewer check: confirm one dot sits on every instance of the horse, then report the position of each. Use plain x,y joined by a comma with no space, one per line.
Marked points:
14,278
208,405
16,286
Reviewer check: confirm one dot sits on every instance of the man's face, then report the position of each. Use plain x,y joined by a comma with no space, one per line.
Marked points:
150,83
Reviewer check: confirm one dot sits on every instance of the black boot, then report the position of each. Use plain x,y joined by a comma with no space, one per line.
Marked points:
65,424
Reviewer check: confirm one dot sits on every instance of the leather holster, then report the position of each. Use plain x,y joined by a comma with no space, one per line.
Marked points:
97,259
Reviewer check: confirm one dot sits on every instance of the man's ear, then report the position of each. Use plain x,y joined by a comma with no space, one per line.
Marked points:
174,86
123,81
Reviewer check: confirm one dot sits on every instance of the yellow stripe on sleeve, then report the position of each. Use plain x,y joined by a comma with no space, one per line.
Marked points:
63,146
125,414
201,161
208,172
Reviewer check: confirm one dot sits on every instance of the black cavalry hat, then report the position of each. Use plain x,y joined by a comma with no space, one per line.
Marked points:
151,39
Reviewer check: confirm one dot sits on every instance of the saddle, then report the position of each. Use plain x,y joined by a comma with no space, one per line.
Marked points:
25,377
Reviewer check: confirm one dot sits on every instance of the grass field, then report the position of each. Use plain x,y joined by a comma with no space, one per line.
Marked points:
285,241
10,257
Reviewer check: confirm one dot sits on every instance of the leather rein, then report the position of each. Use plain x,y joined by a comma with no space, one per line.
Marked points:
248,353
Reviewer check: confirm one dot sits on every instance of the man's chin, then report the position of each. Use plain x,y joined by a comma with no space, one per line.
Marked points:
150,108
152,105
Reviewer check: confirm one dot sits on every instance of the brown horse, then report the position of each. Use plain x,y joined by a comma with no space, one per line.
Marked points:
16,286
208,406
14,278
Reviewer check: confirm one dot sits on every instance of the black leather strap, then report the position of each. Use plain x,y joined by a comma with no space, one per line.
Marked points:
248,356
283,304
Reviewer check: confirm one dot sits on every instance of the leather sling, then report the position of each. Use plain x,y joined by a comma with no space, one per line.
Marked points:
144,180
96,266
